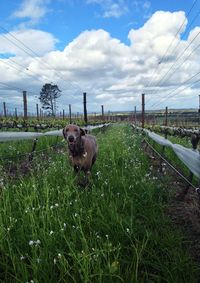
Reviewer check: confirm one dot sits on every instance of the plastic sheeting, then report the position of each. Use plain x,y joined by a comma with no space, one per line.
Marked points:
157,138
190,157
11,136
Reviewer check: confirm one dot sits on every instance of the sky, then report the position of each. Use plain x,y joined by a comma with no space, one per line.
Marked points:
112,50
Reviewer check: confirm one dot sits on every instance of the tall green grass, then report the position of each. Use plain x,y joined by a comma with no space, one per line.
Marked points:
115,231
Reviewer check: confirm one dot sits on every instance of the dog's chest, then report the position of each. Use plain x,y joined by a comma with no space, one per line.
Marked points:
79,160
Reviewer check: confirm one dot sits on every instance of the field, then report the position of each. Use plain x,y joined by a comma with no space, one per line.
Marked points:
114,231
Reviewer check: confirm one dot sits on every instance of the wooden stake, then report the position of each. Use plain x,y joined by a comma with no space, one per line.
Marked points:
25,105
16,117
85,108
166,116
102,112
4,109
143,109
70,114
37,110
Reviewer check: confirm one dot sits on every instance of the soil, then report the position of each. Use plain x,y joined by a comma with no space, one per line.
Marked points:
183,209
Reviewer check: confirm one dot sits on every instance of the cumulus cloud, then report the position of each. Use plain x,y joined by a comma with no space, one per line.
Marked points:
42,42
33,10
111,9
112,73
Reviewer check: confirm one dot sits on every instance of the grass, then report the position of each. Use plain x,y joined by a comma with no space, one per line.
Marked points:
53,231
172,157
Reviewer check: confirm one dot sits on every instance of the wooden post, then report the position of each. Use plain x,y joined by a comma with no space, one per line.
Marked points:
166,116
16,117
37,110
135,113
102,112
70,114
166,121
25,105
85,108
33,149
40,113
4,109
63,114
143,109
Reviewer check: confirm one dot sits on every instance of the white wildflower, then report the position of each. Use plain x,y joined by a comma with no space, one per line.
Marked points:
37,242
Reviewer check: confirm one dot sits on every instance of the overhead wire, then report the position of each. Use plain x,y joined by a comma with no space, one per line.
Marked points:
37,58
36,54
172,41
173,50
172,93
162,79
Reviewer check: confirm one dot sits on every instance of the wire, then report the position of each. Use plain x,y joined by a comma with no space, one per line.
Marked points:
163,57
163,79
29,153
178,59
22,70
170,165
172,94
36,54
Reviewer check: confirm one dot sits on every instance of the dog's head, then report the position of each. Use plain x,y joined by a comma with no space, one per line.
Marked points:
73,133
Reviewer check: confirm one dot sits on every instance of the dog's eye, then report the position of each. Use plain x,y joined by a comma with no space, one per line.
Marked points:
75,130
67,130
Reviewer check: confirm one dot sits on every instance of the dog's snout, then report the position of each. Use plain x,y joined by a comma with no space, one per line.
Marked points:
71,138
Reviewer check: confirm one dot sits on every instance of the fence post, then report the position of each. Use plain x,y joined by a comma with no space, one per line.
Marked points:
33,149
25,105
85,108
102,112
16,116
166,121
70,114
135,117
4,109
166,116
143,109
37,110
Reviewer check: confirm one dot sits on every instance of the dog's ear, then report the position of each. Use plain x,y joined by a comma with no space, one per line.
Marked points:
64,133
82,132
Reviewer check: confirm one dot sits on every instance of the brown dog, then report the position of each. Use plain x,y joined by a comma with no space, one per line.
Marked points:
82,149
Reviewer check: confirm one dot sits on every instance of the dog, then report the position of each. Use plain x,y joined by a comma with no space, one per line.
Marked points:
82,150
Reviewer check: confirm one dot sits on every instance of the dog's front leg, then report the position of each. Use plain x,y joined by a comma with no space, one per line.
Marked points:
87,176
76,169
